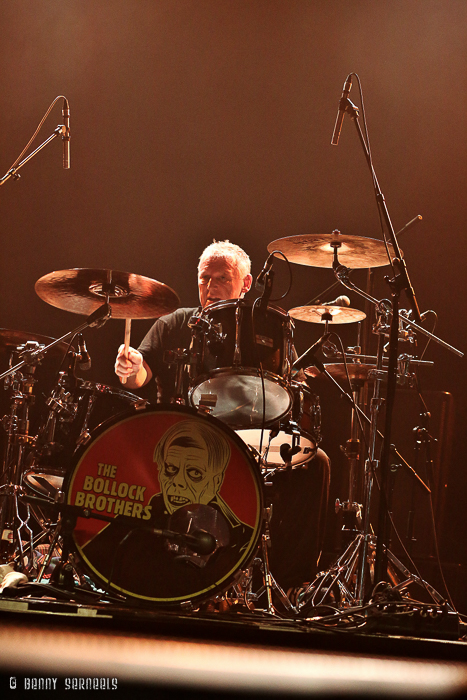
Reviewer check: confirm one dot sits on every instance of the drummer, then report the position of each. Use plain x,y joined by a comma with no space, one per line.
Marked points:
224,272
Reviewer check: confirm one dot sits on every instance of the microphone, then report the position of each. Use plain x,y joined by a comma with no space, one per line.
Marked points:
84,358
339,301
259,284
341,110
309,355
66,134
200,541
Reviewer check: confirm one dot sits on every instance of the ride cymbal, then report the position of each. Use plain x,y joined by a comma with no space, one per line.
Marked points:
317,250
83,290
321,313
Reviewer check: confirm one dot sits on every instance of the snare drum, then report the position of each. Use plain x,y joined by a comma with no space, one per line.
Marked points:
161,478
295,441
243,364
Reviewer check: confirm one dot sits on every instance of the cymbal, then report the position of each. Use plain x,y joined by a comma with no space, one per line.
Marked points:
316,250
10,339
339,314
356,371
83,290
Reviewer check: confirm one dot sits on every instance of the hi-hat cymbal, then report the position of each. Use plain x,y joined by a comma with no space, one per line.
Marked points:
317,250
334,314
356,371
83,290
10,339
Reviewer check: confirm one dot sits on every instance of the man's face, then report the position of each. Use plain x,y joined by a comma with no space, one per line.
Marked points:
185,477
219,280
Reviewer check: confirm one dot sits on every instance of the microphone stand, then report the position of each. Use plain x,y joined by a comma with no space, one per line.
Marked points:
397,284
13,172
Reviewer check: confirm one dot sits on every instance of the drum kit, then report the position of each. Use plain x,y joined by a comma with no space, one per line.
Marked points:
98,493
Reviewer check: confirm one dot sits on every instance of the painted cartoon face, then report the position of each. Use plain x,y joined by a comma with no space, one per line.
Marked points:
186,477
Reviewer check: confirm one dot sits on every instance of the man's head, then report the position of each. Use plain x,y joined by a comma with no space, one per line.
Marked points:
191,457
223,273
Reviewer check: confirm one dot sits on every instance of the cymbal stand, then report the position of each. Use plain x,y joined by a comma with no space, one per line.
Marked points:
20,376
16,424
344,583
351,509
270,584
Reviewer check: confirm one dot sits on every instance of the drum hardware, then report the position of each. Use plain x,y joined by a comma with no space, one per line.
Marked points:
347,579
246,365
16,425
293,441
397,284
178,358
19,377
270,585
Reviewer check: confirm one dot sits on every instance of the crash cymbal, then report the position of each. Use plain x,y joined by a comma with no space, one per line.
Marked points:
356,371
317,250
83,290
10,339
335,314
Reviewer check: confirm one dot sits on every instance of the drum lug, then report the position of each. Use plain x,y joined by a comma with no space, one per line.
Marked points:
83,438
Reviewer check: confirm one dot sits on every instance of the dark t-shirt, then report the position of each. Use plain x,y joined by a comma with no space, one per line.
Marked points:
169,332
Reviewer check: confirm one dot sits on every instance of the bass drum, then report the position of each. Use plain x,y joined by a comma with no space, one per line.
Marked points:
178,500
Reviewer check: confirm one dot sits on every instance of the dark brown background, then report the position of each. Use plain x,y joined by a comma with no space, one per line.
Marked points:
199,119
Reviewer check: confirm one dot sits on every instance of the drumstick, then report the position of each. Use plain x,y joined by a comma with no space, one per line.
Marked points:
127,342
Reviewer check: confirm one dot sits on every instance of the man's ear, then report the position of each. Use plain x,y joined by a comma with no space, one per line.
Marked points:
247,284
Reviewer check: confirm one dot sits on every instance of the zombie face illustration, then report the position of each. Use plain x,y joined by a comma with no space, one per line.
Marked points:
191,457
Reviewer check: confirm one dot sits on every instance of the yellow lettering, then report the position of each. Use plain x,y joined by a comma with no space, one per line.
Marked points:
137,510
123,489
101,503
88,482
128,508
147,512
79,498
98,485
119,506
140,493
89,502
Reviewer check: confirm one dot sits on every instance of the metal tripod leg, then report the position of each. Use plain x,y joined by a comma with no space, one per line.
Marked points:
270,584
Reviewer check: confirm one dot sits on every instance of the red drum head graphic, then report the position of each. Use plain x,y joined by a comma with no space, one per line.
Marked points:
175,501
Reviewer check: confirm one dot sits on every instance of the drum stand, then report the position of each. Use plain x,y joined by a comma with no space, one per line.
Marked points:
345,583
16,423
270,585
20,377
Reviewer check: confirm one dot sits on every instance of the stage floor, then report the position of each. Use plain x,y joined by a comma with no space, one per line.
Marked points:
61,645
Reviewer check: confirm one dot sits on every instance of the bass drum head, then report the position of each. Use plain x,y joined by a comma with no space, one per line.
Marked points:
165,468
